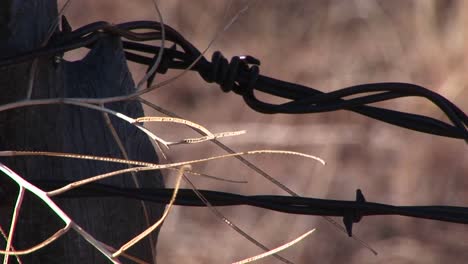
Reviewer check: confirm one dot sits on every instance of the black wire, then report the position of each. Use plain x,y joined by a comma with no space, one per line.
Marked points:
285,204
241,76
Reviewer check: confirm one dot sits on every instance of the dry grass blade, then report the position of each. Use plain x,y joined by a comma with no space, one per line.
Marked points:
146,165
155,66
11,153
208,135
123,151
275,250
36,191
207,138
43,196
214,177
228,222
197,127
105,159
68,222
133,258
121,116
40,245
77,184
79,103
159,222
33,69
101,247
4,235
14,219
188,123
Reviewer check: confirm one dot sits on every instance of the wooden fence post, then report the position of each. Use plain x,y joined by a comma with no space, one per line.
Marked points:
65,128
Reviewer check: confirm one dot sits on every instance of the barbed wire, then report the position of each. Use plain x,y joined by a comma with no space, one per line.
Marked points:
351,211
241,75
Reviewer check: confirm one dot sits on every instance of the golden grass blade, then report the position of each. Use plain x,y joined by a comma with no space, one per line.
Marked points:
207,138
275,250
159,222
40,245
14,219
123,151
231,224
152,166
36,191
155,66
214,177
4,235
121,116
12,153
188,123
68,222
101,247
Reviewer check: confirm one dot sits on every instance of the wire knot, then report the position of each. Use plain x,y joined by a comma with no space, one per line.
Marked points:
238,75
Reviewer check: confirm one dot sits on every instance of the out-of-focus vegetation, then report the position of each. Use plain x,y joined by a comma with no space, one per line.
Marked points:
326,45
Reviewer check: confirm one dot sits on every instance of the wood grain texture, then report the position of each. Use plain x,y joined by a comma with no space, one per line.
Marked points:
103,72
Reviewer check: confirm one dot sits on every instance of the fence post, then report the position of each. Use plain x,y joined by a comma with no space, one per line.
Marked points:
64,128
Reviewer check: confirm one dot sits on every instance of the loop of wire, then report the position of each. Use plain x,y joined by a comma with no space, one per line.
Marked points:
241,75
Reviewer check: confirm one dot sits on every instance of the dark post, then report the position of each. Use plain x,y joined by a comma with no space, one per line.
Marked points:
64,128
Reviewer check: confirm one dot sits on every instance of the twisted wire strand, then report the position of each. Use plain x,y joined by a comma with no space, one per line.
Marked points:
351,211
241,75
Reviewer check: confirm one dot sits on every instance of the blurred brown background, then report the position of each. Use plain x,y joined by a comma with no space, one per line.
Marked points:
326,45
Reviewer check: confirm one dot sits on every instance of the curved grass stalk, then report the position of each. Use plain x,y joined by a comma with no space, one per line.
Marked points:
123,151
12,153
148,231
231,224
14,218
145,165
275,250
4,235
69,224
155,66
208,135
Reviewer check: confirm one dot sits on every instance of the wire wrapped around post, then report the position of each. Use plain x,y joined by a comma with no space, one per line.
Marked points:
241,75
